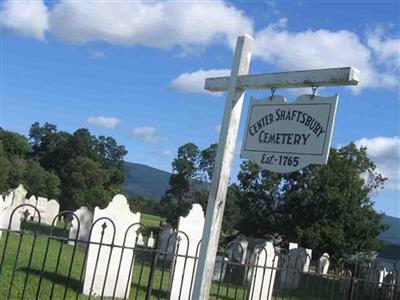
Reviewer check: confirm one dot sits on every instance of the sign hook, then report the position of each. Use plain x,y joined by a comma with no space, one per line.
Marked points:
273,90
314,90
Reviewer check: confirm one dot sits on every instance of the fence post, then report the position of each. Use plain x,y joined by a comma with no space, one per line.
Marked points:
152,270
353,274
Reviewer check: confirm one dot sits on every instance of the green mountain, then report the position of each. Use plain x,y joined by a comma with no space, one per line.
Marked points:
392,235
145,181
151,183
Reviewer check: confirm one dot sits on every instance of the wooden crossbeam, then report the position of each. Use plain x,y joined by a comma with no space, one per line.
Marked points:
295,79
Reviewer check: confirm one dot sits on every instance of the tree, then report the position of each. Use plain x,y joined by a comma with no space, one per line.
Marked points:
18,168
40,182
14,144
329,207
5,167
325,208
189,184
85,184
259,196
89,167
178,199
143,205
207,161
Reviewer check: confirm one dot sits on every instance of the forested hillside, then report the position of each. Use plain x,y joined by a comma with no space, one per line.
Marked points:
145,181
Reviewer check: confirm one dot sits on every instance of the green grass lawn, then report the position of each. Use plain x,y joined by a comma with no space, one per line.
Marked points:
55,281
150,220
60,277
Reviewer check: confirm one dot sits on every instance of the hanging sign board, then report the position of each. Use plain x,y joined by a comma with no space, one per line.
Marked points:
283,137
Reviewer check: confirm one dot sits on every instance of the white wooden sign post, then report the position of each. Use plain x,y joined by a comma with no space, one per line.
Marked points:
235,85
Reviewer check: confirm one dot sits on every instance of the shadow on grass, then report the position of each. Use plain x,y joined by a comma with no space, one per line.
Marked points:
44,229
73,284
76,286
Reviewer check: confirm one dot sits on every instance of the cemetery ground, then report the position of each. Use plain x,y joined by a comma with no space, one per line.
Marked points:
54,286
23,271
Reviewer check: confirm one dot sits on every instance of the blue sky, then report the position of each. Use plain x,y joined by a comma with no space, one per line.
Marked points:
135,70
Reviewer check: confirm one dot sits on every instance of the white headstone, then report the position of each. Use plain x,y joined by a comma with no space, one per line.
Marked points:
263,276
42,208
32,212
345,281
389,285
19,195
377,273
166,241
323,264
238,250
117,279
140,241
85,217
293,266
8,199
15,198
382,272
150,240
397,271
293,246
13,224
187,244
52,211
1,214
219,268
306,267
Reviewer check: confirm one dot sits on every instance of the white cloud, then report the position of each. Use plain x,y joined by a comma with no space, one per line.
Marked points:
273,7
147,134
191,26
162,153
25,17
385,152
313,49
97,54
194,82
385,49
158,24
103,122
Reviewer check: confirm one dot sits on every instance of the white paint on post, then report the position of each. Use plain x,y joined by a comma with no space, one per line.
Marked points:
222,169
294,79
236,84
